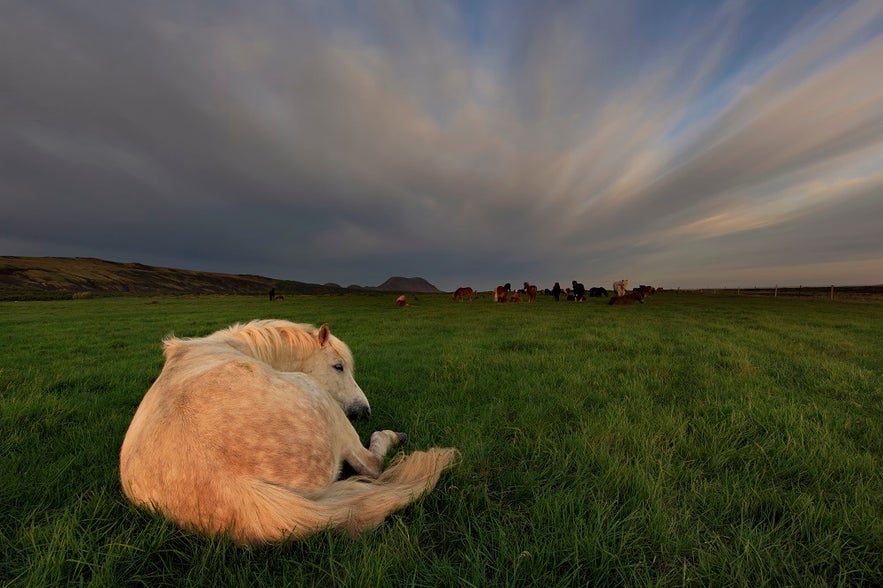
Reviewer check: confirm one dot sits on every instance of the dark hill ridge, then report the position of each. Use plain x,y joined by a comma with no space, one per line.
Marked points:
60,275
399,284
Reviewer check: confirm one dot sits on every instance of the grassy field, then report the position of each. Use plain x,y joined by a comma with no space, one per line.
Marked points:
694,440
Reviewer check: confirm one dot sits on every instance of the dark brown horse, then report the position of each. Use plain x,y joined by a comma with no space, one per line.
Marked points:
628,298
501,292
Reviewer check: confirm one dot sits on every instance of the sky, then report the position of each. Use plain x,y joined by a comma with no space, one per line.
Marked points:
679,143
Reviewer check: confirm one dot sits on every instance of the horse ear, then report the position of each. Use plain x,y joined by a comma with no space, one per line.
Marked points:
323,334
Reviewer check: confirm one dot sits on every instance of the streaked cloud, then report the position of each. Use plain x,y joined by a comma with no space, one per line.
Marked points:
675,143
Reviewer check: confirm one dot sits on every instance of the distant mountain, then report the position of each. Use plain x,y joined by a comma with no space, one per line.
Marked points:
399,284
55,277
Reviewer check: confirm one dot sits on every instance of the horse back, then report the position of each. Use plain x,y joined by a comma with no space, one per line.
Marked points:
202,428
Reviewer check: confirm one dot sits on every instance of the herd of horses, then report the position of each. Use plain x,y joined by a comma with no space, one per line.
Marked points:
576,293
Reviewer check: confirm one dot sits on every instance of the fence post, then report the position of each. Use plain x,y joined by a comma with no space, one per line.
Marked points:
832,291
776,291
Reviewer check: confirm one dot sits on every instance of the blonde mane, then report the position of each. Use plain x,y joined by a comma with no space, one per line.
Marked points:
278,343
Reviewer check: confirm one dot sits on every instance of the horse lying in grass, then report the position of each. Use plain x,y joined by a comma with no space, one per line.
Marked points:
628,298
245,431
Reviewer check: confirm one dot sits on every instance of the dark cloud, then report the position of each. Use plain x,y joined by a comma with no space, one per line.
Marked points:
465,143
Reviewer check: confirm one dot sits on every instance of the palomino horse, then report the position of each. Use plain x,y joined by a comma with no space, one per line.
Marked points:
464,292
402,301
245,431
531,291
501,292
620,287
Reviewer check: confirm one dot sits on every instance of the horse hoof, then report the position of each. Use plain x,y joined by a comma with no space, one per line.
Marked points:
402,437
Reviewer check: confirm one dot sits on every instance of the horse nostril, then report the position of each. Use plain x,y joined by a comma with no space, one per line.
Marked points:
358,412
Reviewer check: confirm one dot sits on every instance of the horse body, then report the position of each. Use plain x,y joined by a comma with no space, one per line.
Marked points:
402,301
245,431
462,293
620,287
556,291
628,298
530,291
579,291
501,292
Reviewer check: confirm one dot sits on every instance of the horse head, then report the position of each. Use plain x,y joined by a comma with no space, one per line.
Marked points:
332,366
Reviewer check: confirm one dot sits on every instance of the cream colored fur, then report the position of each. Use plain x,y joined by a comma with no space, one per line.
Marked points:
244,433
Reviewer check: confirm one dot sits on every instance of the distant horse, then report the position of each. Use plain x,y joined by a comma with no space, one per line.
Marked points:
596,292
516,296
579,291
501,292
628,298
278,297
556,291
620,287
462,293
531,292
245,431
402,301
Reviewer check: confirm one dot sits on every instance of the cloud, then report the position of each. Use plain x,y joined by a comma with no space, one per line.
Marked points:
482,144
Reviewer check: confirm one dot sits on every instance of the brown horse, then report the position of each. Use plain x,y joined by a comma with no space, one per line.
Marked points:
402,301
501,292
463,293
628,298
245,431
531,292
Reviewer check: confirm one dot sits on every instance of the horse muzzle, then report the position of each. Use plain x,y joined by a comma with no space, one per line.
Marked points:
357,412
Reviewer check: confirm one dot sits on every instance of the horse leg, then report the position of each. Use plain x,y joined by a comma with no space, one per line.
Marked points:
369,462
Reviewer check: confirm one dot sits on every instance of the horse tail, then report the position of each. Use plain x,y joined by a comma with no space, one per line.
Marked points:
273,512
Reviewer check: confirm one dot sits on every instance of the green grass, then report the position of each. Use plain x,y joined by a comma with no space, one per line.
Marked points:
695,440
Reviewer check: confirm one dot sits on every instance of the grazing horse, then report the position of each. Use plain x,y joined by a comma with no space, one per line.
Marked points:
556,291
278,297
628,298
620,287
516,296
531,292
596,292
501,292
402,301
462,293
245,431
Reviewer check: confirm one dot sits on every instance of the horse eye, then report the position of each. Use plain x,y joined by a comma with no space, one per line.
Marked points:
338,366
